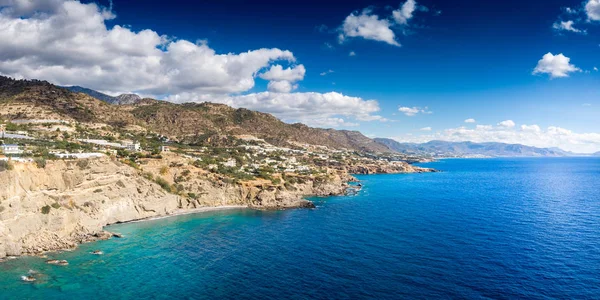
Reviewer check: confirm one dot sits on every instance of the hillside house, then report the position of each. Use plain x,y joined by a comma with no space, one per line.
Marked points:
11,149
132,146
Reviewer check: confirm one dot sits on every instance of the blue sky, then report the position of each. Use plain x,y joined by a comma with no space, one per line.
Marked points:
457,60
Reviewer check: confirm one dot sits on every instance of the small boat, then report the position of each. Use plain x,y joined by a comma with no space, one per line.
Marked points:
28,278
58,262
97,252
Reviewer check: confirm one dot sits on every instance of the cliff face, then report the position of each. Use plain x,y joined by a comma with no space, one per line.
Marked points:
69,202
66,202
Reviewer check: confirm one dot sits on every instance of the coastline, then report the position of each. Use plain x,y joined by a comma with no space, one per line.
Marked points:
82,203
183,212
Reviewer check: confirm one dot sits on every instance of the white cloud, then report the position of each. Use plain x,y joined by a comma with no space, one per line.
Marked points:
352,53
281,86
278,73
534,128
412,111
282,80
367,26
470,121
405,13
313,109
425,129
531,135
507,124
555,65
567,26
69,43
587,104
596,69
592,9
326,72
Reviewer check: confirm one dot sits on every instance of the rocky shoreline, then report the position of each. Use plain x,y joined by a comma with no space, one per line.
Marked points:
69,203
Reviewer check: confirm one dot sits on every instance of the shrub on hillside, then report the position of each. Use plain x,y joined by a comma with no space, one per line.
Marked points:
6,165
46,209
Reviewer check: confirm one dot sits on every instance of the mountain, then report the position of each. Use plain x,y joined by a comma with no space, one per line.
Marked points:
191,120
194,123
470,149
126,99
104,97
123,99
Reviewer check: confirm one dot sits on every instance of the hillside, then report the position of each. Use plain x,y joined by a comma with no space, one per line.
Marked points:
194,123
470,149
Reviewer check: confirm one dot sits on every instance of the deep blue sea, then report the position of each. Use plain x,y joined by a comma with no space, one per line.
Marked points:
482,229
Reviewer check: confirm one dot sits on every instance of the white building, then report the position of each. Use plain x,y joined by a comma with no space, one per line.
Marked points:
132,146
11,149
164,149
230,163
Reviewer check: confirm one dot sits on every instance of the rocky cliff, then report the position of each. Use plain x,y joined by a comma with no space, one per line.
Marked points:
69,202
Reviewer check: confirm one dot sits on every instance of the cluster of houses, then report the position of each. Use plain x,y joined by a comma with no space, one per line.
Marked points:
126,145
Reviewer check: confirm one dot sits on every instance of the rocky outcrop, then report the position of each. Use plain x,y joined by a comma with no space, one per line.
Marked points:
387,168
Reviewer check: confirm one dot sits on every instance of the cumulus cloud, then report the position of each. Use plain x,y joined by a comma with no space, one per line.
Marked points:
592,9
352,53
310,108
281,86
566,26
413,111
326,72
70,43
282,80
555,65
405,13
507,124
534,128
277,72
368,26
470,121
531,135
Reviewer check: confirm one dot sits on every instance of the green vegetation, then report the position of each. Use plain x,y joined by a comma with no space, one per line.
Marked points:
55,205
46,209
148,175
164,170
40,162
83,164
163,184
6,166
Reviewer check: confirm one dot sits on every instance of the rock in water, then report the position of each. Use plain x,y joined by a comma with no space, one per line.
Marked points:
58,262
28,278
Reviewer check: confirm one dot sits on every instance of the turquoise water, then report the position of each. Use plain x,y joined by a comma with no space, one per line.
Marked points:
497,228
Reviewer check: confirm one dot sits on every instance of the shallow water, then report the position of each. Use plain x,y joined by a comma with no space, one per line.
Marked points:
493,228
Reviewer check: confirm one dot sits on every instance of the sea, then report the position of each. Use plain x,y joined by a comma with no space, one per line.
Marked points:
523,228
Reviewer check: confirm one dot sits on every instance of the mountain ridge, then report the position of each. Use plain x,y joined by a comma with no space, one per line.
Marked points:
195,123
438,148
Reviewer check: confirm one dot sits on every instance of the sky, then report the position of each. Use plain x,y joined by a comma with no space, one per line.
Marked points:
412,70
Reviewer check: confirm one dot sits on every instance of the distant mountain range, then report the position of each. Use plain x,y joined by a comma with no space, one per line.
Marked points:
124,99
470,149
